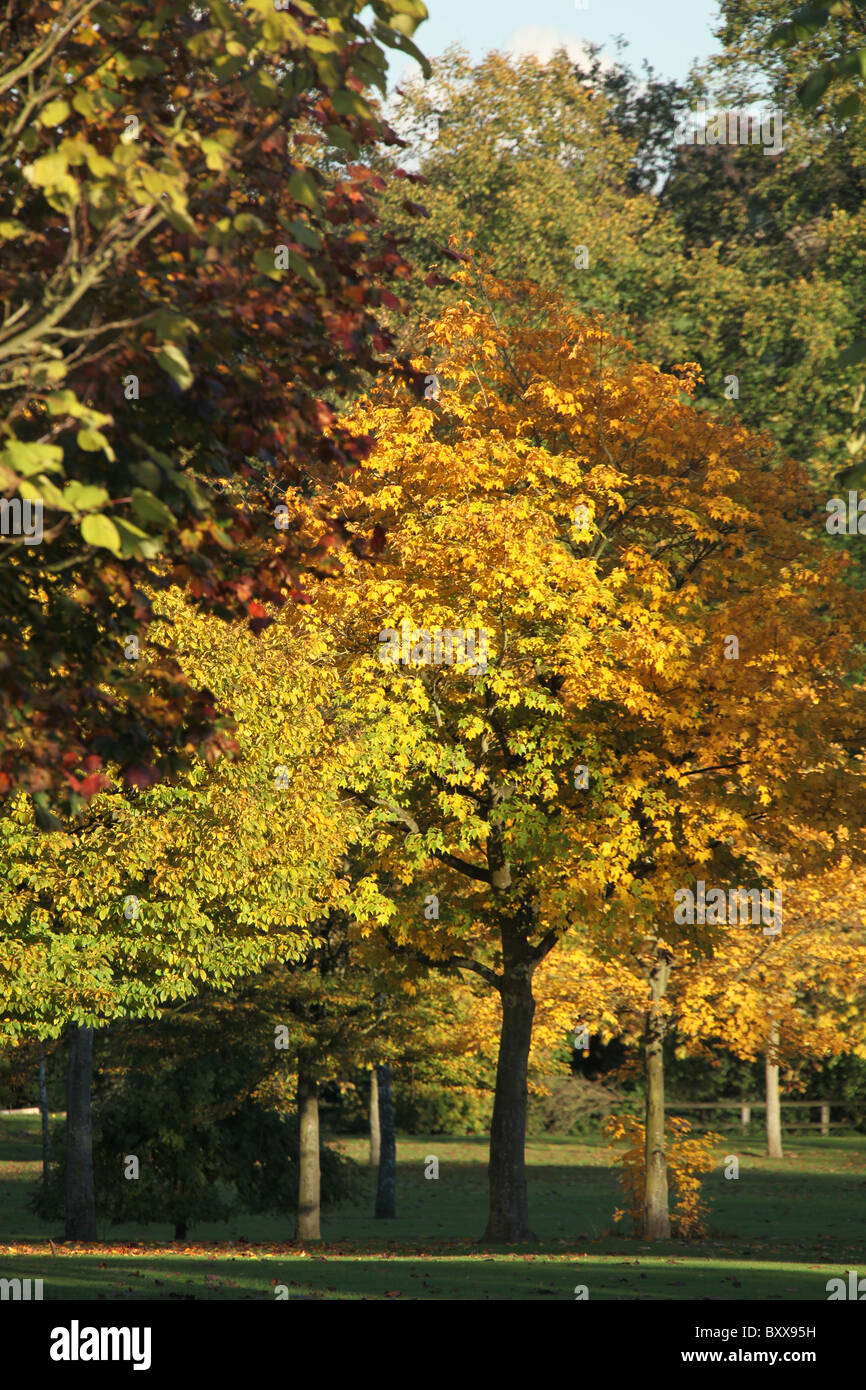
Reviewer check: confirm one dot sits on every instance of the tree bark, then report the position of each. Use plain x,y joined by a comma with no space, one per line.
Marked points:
309,1178
774,1110
508,1218
46,1124
657,1222
375,1128
386,1185
80,1197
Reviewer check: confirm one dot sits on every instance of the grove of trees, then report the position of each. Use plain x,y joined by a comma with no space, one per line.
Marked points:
435,642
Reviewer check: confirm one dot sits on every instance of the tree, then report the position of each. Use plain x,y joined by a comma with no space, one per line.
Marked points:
80,1201
386,1177
795,998
187,1127
640,705
190,268
139,899
523,161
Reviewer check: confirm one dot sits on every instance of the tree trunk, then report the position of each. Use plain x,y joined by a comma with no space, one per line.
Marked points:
309,1177
180,1230
375,1128
508,1218
46,1127
774,1110
386,1186
80,1198
657,1222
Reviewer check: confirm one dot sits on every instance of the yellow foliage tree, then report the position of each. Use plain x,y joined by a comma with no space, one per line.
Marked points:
599,652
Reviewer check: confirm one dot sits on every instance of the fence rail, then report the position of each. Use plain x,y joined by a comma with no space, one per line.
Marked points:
746,1107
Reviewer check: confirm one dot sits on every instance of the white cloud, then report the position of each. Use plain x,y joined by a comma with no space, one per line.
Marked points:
544,40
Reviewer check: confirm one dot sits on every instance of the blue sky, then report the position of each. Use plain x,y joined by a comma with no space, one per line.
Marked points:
669,33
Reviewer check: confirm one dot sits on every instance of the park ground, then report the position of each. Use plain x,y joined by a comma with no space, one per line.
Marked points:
778,1232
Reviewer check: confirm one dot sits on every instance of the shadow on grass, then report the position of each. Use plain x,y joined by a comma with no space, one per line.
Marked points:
426,1275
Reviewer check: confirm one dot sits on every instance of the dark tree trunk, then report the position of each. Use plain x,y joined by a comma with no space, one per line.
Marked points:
80,1198
46,1126
657,1222
180,1230
508,1218
309,1177
375,1128
386,1186
774,1109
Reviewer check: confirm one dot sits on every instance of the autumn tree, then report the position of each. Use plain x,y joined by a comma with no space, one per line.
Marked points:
600,644
794,999
190,268
140,899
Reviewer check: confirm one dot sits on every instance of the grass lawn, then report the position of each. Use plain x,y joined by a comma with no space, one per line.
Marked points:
778,1232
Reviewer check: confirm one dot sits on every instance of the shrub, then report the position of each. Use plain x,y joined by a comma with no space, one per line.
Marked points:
687,1158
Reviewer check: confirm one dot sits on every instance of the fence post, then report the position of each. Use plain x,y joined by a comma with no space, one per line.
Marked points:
825,1120
745,1117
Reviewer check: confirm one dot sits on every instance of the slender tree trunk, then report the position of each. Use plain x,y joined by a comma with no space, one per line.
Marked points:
508,1218
180,1230
375,1128
80,1198
46,1126
657,1222
309,1177
386,1186
774,1110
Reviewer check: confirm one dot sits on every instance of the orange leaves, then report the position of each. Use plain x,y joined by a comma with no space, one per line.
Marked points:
687,1157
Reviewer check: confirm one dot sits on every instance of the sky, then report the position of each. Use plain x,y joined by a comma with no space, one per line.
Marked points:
669,33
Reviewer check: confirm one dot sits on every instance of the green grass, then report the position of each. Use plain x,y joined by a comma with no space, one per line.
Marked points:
778,1232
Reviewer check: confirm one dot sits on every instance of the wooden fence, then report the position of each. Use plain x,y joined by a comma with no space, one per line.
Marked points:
746,1107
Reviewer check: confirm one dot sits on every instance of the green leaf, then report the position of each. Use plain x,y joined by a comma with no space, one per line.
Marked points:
32,458
303,268
91,440
47,373
54,113
804,22
83,497
349,103
173,361
150,508
147,474
248,222
814,87
48,170
100,531
339,137
192,490
303,232
45,492
65,403
85,105
264,261
849,107
135,542
303,189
